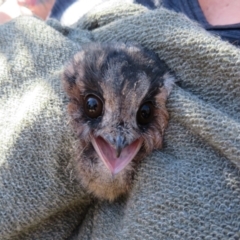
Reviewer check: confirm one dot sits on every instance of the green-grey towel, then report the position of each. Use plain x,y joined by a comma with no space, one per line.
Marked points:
188,190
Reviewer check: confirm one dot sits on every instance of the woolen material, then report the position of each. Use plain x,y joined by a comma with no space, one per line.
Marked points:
188,190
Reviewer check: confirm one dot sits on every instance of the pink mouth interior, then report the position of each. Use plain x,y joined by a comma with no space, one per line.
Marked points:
108,154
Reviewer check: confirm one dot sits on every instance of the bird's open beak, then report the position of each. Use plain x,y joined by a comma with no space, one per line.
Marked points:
116,159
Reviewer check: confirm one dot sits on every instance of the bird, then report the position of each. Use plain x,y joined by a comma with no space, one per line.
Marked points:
117,108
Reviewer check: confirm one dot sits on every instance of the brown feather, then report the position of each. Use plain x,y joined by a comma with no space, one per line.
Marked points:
124,77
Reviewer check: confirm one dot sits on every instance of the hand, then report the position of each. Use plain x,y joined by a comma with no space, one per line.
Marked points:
13,8
40,8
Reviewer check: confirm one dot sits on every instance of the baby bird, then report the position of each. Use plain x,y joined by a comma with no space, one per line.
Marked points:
117,96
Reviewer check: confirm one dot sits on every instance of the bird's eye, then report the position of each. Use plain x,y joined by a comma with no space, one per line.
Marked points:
93,106
145,113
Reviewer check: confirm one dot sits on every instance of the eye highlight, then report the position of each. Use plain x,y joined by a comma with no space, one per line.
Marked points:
145,113
93,106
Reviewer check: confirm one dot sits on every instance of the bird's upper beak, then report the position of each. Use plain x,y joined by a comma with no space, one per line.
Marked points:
118,157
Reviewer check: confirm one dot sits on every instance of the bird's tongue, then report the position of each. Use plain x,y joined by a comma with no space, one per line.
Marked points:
108,154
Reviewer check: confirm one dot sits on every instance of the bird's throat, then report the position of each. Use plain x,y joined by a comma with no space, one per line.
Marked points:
108,154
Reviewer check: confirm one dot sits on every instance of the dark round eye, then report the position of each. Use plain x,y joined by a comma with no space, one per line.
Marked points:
93,106
145,113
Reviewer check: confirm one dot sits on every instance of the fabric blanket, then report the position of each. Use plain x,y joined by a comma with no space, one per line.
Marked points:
190,189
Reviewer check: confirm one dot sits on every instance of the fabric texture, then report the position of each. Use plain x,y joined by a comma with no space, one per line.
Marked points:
188,190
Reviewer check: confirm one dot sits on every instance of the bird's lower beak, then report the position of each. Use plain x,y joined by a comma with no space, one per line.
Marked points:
116,159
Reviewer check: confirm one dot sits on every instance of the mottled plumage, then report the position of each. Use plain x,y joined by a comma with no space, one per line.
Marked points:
117,107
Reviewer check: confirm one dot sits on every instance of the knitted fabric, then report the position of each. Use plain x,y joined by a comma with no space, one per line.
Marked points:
190,189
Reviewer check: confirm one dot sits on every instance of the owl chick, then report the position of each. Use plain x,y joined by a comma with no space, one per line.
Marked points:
117,107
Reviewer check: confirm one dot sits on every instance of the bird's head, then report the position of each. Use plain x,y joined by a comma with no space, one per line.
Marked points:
117,106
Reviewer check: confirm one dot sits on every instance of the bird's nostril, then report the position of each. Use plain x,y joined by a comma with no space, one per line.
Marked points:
121,124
